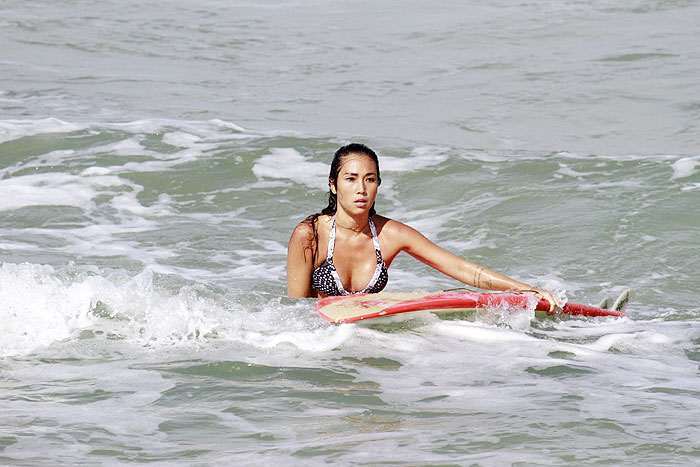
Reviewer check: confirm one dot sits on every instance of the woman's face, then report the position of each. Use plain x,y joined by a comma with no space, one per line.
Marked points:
357,184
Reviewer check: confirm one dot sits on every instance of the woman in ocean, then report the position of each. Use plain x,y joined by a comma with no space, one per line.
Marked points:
348,248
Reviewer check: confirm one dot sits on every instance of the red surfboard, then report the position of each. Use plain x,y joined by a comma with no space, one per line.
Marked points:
358,307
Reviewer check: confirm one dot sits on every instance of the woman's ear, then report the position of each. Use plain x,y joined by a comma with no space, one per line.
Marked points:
331,185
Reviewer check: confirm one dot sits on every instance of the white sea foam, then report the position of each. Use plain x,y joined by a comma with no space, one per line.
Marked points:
110,202
180,138
289,164
419,159
569,172
105,240
38,308
95,171
479,238
187,133
208,131
685,167
632,342
428,222
318,340
121,413
43,305
17,246
228,125
15,129
479,333
101,236
50,189
248,266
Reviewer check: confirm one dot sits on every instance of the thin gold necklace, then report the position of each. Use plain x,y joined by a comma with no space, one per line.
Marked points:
351,229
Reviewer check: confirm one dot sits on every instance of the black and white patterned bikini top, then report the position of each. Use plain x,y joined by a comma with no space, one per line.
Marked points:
325,278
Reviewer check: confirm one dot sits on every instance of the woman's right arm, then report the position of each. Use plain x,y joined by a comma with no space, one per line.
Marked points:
300,261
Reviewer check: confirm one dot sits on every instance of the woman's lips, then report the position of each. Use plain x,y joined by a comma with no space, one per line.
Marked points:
361,203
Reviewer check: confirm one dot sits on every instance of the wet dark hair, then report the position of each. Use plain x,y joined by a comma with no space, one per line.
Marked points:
338,158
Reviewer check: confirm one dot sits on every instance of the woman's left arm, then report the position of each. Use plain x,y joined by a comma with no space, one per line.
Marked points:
467,272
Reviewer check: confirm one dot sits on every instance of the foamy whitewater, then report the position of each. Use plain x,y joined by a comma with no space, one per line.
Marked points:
155,157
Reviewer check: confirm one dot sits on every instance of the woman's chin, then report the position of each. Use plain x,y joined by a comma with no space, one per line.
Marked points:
356,210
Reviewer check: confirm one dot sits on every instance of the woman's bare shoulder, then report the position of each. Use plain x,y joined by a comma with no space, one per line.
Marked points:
391,226
394,231
304,231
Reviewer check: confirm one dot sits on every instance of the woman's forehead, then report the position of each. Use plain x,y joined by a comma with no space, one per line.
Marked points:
358,163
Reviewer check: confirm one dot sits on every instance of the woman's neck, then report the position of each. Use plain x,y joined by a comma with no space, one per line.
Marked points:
356,224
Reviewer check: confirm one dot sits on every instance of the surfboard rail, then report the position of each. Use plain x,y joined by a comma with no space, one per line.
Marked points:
358,307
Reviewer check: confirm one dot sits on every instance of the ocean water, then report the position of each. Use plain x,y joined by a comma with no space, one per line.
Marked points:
155,157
